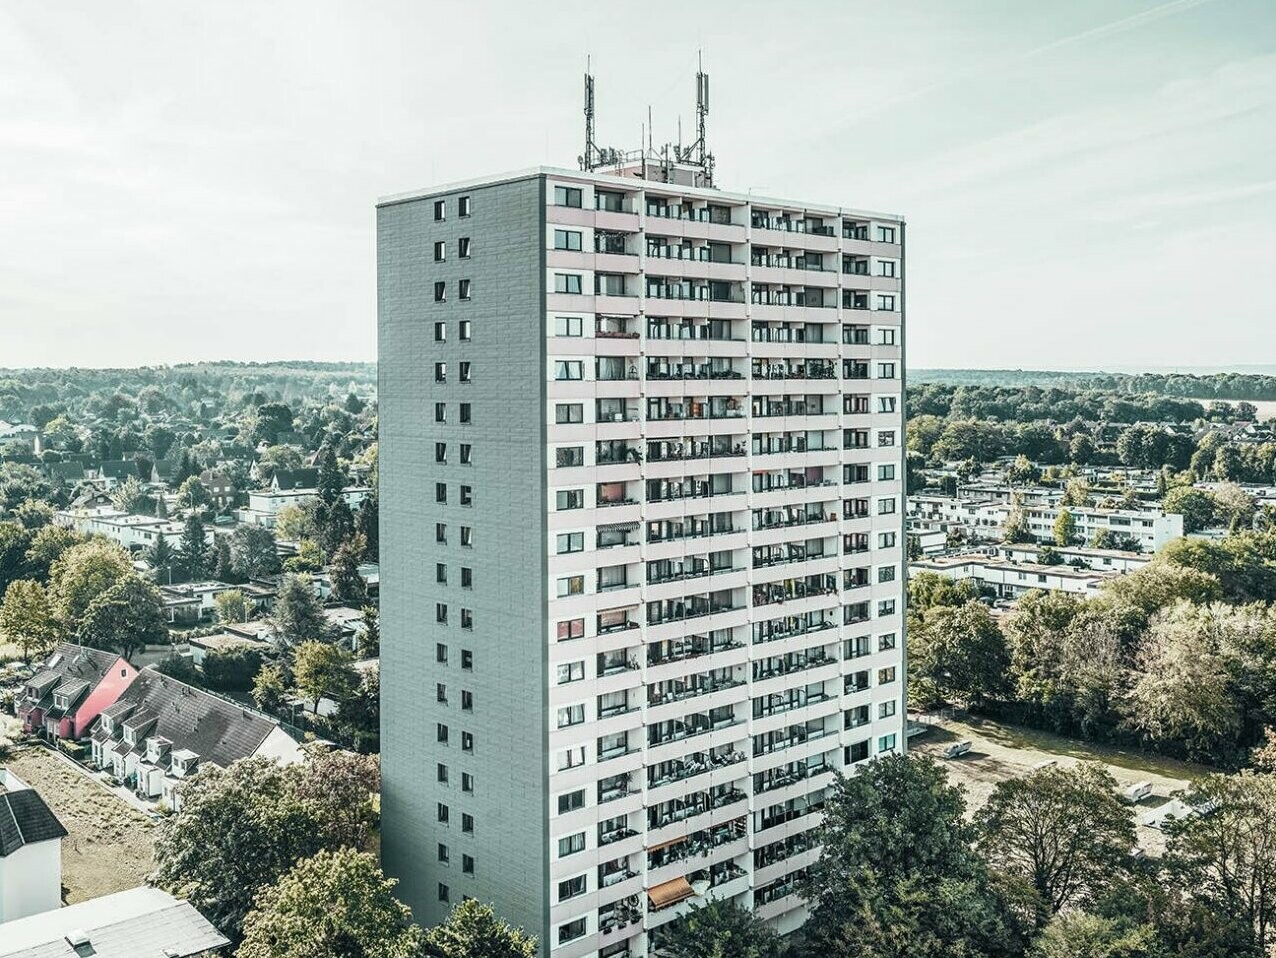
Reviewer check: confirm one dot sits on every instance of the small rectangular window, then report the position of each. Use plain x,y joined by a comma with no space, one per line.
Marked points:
467,659
571,542
571,844
568,326
440,453
440,412
440,292
440,531
567,239
567,196
463,289
463,206
571,887
569,370
566,499
467,782
466,331
567,283
467,820
465,375
467,864
440,372
569,412
467,496
571,672
440,492
463,247
467,454
467,620
440,210
440,613
886,234
440,251
440,653
440,332
571,801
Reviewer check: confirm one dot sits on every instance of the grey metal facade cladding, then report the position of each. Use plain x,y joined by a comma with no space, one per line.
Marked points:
508,721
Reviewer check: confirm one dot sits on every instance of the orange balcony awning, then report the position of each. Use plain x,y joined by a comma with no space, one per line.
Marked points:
669,893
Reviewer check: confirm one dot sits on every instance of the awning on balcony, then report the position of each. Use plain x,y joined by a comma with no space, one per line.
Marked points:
669,893
672,841
618,526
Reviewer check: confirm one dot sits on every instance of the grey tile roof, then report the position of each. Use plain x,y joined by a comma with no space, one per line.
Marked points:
74,668
24,820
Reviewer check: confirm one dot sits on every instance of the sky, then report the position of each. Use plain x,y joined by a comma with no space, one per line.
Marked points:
1089,184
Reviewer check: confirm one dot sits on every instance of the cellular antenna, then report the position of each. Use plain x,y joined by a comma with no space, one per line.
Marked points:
587,159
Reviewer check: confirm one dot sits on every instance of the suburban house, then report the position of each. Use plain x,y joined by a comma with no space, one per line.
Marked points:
133,532
138,923
114,471
264,505
30,853
70,689
219,487
65,473
161,731
1011,580
201,646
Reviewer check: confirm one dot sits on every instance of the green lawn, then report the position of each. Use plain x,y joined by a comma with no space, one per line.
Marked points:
1018,737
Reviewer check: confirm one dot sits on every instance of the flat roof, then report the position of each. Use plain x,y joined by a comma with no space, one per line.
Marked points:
629,182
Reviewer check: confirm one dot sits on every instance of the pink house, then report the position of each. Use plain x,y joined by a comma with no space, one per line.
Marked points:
71,688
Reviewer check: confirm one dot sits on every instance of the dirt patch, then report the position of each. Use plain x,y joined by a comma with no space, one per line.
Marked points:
1001,752
109,847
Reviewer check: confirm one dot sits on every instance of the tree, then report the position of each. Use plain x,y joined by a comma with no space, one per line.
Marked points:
179,667
273,459
297,522
370,639
1065,528
719,929
271,419
1063,831
129,495
127,617
26,619
195,554
34,514
15,544
231,606
1076,492
359,715
162,559
231,670
323,670
1079,935
1195,506
253,552
1081,450
1017,529
84,572
239,829
472,930
898,876
298,616
957,652
335,903
929,590
1228,856
341,787
307,559
269,687
348,586
367,524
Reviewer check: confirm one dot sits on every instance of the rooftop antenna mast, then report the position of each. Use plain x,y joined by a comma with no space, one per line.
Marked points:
587,160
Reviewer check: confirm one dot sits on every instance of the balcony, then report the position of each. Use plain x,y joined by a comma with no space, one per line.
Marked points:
777,630
663,371
717,329
777,593
678,690
615,327
782,702
790,664
697,844
690,448
690,726
692,647
689,607
810,369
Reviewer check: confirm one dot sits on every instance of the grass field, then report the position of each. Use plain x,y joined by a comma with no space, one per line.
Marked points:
1001,752
109,847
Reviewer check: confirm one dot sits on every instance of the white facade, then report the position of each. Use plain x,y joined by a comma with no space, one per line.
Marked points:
30,876
264,505
133,532
1010,580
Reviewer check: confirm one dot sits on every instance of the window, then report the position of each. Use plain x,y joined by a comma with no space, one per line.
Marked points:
569,412
466,331
467,744
463,247
567,239
444,894
467,537
886,267
467,782
441,773
467,620
467,864
467,454
571,672
440,492
466,370
467,577
463,206
567,283
885,472
886,709
886,743
886,234
467,497
574,929
887,403
467,659
440,332
571,629
440,412
885,370
886,437
440,251
885,507
571,801
440,573
440,210
886,676
571,758
886,574
444,813
440,372
467,701
571,542
571,844
440,292
571,715
440,453
886,301
886,607
571,585
466,415
570,499
440,531
443,853
463,289
569,370
886,337
440,653
569,456
887,540
568,326
567,196
440,613
571,887
886,642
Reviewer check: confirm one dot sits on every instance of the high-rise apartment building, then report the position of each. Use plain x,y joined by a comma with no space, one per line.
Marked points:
642,542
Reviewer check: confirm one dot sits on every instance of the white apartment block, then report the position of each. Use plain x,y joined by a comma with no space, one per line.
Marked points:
642,543
986,520
1011,580
133,532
